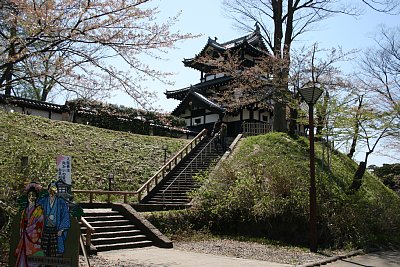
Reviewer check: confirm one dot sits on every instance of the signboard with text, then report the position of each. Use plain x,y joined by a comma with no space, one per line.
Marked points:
64,169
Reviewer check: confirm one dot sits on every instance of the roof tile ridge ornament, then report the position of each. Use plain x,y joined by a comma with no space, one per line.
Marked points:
257,25
212,41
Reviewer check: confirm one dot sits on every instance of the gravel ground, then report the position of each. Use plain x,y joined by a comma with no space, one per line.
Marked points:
232,248
250,250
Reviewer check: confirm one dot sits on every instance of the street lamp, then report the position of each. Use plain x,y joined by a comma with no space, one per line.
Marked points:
165,148
110,180
310,95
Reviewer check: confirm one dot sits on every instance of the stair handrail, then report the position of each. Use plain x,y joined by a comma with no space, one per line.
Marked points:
167,167
89,231
200,154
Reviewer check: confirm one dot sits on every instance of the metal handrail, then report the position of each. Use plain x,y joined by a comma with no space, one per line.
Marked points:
168,165
105,192
191,163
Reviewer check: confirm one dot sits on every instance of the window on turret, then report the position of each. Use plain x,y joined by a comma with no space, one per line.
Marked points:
209,77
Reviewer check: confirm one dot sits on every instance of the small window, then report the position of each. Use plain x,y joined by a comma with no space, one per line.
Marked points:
197,121
265,118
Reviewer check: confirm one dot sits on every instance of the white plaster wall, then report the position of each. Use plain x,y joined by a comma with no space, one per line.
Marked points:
57,116
232,118
211,118
186,113
246,114
34,112
10,108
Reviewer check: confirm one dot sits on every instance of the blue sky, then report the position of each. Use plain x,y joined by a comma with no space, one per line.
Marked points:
206,17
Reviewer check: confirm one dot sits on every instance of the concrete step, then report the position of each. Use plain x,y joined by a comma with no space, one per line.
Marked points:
103,223
118,240
168,202
173,192
161,197
115,228
176,188
93,218
99,212
138,244
112,234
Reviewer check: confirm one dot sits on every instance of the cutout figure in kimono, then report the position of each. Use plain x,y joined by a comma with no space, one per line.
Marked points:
56,222
31,228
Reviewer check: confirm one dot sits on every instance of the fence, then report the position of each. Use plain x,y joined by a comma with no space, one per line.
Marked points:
255,128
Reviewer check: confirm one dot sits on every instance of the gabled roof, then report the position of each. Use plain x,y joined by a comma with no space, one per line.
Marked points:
199,100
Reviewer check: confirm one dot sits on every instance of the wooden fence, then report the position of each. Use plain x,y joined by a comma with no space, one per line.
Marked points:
255,128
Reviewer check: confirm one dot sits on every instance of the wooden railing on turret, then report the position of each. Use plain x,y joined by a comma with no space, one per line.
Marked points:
154,180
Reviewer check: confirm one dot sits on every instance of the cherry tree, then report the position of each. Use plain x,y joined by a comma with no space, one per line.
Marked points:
84,47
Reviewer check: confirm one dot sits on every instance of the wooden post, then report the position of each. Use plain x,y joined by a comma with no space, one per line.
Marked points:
24,162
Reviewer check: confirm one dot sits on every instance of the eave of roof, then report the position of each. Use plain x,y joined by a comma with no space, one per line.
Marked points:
199,87
199,98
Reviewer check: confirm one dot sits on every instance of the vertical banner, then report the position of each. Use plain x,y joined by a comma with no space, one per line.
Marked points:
64,169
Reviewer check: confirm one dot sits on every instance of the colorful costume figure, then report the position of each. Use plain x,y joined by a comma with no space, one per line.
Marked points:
31,228
57,223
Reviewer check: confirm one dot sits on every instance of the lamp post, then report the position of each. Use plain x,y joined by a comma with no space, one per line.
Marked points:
110,180
165,148
310,95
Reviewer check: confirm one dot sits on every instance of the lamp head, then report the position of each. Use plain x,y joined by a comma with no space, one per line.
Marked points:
311,93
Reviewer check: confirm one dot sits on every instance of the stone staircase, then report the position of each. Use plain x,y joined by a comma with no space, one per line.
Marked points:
113,230
173,191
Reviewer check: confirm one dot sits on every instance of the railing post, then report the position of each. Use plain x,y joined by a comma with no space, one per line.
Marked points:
91,198
125,198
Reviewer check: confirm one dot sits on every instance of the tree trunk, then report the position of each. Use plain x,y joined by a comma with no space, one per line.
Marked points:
357,179
293,121
279,118
8,80
8,74
45,93
353,144
356,128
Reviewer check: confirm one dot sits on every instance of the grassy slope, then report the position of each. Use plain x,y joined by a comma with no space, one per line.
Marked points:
263,190
96,152
264,183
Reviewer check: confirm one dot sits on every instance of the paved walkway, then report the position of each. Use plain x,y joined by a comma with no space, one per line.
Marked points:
377,259
159,257
153,256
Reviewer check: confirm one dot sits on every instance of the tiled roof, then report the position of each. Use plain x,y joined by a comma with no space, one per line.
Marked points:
30,103
179,94
253,41
199,98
